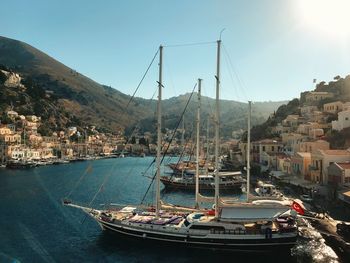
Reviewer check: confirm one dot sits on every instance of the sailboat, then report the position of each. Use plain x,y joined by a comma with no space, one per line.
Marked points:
229,180
248,226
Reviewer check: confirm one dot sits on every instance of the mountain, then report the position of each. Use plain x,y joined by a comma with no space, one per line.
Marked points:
83,97
87,102
233,114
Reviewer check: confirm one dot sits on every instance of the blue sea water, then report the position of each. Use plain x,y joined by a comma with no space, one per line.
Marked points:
36,227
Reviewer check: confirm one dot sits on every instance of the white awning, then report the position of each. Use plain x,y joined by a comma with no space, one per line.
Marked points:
252,213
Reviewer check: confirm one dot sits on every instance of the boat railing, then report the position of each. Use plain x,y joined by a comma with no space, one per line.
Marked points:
249,232
229,232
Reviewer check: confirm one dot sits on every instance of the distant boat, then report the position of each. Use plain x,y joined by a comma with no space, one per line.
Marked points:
267,190
189,171
306,198
228,181
20,164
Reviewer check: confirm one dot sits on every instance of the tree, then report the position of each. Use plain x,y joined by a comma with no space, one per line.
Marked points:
44,130
74,138
5,119
143,141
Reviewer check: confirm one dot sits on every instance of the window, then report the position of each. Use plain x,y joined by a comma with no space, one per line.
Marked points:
263,148
273,148
202,227
186,223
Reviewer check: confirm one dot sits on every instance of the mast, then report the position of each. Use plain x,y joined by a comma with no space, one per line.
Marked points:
217,138
207,157
248,150
197,142
159,134
183,132
86,143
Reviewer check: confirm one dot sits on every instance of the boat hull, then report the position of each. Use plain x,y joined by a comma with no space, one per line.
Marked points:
169,184
261,245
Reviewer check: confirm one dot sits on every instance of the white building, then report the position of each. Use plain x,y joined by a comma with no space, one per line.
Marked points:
342,122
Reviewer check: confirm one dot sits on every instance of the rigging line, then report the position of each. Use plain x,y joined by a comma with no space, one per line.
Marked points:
211,113
101,187
191,44
230,73
99,190
87,170
177,126
154,159
143,77
168,71
132,134
241,83
134,130
182,153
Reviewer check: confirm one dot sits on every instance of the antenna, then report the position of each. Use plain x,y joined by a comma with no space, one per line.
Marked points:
222,30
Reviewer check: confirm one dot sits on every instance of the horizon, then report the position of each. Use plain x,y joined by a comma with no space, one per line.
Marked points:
280,49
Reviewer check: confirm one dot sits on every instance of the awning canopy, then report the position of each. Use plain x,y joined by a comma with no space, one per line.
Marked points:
252,213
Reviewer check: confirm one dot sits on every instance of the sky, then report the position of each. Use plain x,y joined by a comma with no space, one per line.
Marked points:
271,49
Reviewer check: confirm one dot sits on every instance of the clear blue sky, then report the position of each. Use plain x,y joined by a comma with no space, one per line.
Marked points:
272,49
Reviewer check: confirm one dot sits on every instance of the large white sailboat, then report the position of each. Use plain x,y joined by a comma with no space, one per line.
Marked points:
249,226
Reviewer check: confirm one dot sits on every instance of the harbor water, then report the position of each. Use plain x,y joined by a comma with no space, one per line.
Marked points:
36,227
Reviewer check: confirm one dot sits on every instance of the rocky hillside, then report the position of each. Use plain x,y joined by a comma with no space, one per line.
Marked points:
79,95
90,103
339,87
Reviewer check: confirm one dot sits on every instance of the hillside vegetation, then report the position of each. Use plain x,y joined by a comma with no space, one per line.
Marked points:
76,99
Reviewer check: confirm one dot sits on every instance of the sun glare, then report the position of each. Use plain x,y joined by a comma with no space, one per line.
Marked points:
329,17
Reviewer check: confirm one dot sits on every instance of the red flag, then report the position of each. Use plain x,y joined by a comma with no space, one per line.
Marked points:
297,207
211,212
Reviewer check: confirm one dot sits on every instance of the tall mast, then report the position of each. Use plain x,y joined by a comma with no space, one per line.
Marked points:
207,159
217,138
159,132
197,141
183,132
248,150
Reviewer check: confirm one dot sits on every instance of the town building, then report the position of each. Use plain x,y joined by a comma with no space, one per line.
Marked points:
342,122
321,159
300,162
310,146
307,111
339,174
315,96
262,149
291,142
333,107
